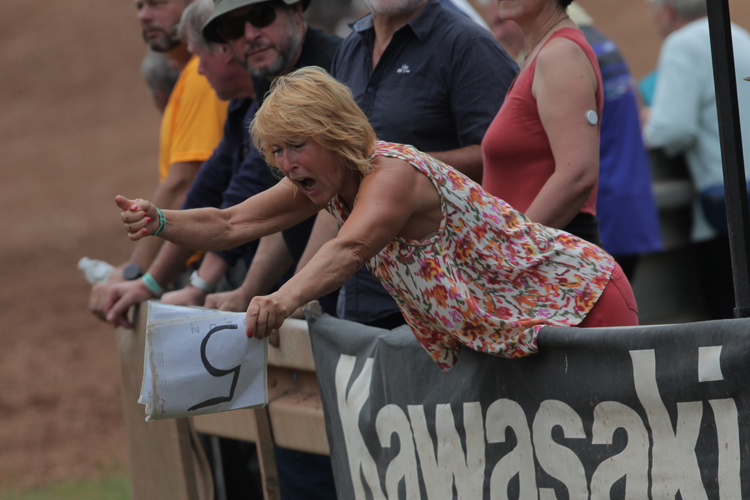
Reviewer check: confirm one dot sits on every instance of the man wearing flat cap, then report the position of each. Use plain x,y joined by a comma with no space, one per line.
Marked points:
269,38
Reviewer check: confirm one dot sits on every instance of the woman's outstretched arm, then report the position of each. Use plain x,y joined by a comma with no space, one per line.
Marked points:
212,229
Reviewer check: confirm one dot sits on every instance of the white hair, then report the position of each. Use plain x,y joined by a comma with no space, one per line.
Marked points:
193,18
685,9
158,73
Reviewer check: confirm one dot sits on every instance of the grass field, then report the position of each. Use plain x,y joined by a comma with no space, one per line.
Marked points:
113,487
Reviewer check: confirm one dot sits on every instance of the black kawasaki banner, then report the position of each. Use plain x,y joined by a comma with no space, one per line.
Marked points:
622,413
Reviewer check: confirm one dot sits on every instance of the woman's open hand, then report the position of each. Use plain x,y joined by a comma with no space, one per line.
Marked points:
140,217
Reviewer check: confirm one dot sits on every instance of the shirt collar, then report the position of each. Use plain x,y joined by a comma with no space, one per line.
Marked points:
421,25
308,55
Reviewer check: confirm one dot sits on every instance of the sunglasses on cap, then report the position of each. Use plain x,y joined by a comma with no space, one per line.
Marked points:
259,16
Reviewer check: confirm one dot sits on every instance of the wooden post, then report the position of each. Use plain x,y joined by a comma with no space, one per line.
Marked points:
264,447
162,463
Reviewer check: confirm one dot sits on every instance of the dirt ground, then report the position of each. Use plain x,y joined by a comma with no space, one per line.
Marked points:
77,127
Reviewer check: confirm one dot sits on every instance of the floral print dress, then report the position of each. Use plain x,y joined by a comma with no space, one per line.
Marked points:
489,278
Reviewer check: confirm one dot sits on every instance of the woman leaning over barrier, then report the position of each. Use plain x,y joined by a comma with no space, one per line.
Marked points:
464,267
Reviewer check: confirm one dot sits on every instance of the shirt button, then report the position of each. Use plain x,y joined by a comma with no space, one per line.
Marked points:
370,90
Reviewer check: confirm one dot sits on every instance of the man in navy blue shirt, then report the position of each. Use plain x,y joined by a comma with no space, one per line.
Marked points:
425,76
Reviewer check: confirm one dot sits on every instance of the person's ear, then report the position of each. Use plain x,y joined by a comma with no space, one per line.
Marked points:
297,10
225,52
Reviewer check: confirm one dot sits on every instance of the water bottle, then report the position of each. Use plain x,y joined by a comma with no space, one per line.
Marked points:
96,271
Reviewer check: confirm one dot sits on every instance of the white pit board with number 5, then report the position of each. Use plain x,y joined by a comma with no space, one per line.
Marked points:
200,361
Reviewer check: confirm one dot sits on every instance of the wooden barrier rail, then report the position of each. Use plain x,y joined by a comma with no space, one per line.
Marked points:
166,461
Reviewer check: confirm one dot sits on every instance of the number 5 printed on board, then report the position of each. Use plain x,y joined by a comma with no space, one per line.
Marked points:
217,372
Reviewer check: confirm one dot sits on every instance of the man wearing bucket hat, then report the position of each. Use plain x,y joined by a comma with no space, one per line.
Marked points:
270,38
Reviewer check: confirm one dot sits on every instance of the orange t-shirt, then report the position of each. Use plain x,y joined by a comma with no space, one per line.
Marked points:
193,121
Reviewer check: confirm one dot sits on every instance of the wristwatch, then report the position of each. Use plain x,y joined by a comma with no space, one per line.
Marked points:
201,284
132,271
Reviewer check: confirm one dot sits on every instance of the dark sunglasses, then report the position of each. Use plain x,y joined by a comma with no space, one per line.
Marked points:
259,16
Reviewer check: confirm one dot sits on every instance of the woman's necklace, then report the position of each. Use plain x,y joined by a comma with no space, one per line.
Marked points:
542,37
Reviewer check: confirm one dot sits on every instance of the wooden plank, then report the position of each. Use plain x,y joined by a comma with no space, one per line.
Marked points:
298,423
296,411
236,424
295,349
296,414
297,420
160,455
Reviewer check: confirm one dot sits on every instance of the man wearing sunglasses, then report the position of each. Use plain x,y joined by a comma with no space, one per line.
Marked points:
270,38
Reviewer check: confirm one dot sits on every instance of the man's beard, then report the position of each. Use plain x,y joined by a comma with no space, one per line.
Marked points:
393,7
285,59
167,39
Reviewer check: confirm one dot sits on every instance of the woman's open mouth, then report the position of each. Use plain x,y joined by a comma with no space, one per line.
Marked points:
307,183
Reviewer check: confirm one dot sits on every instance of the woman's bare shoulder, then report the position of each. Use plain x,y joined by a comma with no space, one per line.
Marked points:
563,65
389,163
562,54
395,175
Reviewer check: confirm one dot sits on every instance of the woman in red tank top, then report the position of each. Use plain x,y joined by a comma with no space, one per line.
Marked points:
541,152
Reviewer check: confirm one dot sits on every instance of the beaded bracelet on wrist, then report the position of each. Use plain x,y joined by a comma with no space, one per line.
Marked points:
162,222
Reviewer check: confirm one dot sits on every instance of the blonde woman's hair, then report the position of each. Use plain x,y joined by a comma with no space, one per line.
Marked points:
308,104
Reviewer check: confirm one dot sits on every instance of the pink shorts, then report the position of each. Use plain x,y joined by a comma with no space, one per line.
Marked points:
616,305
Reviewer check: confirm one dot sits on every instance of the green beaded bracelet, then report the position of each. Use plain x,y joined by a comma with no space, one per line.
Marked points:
162,222
152,285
